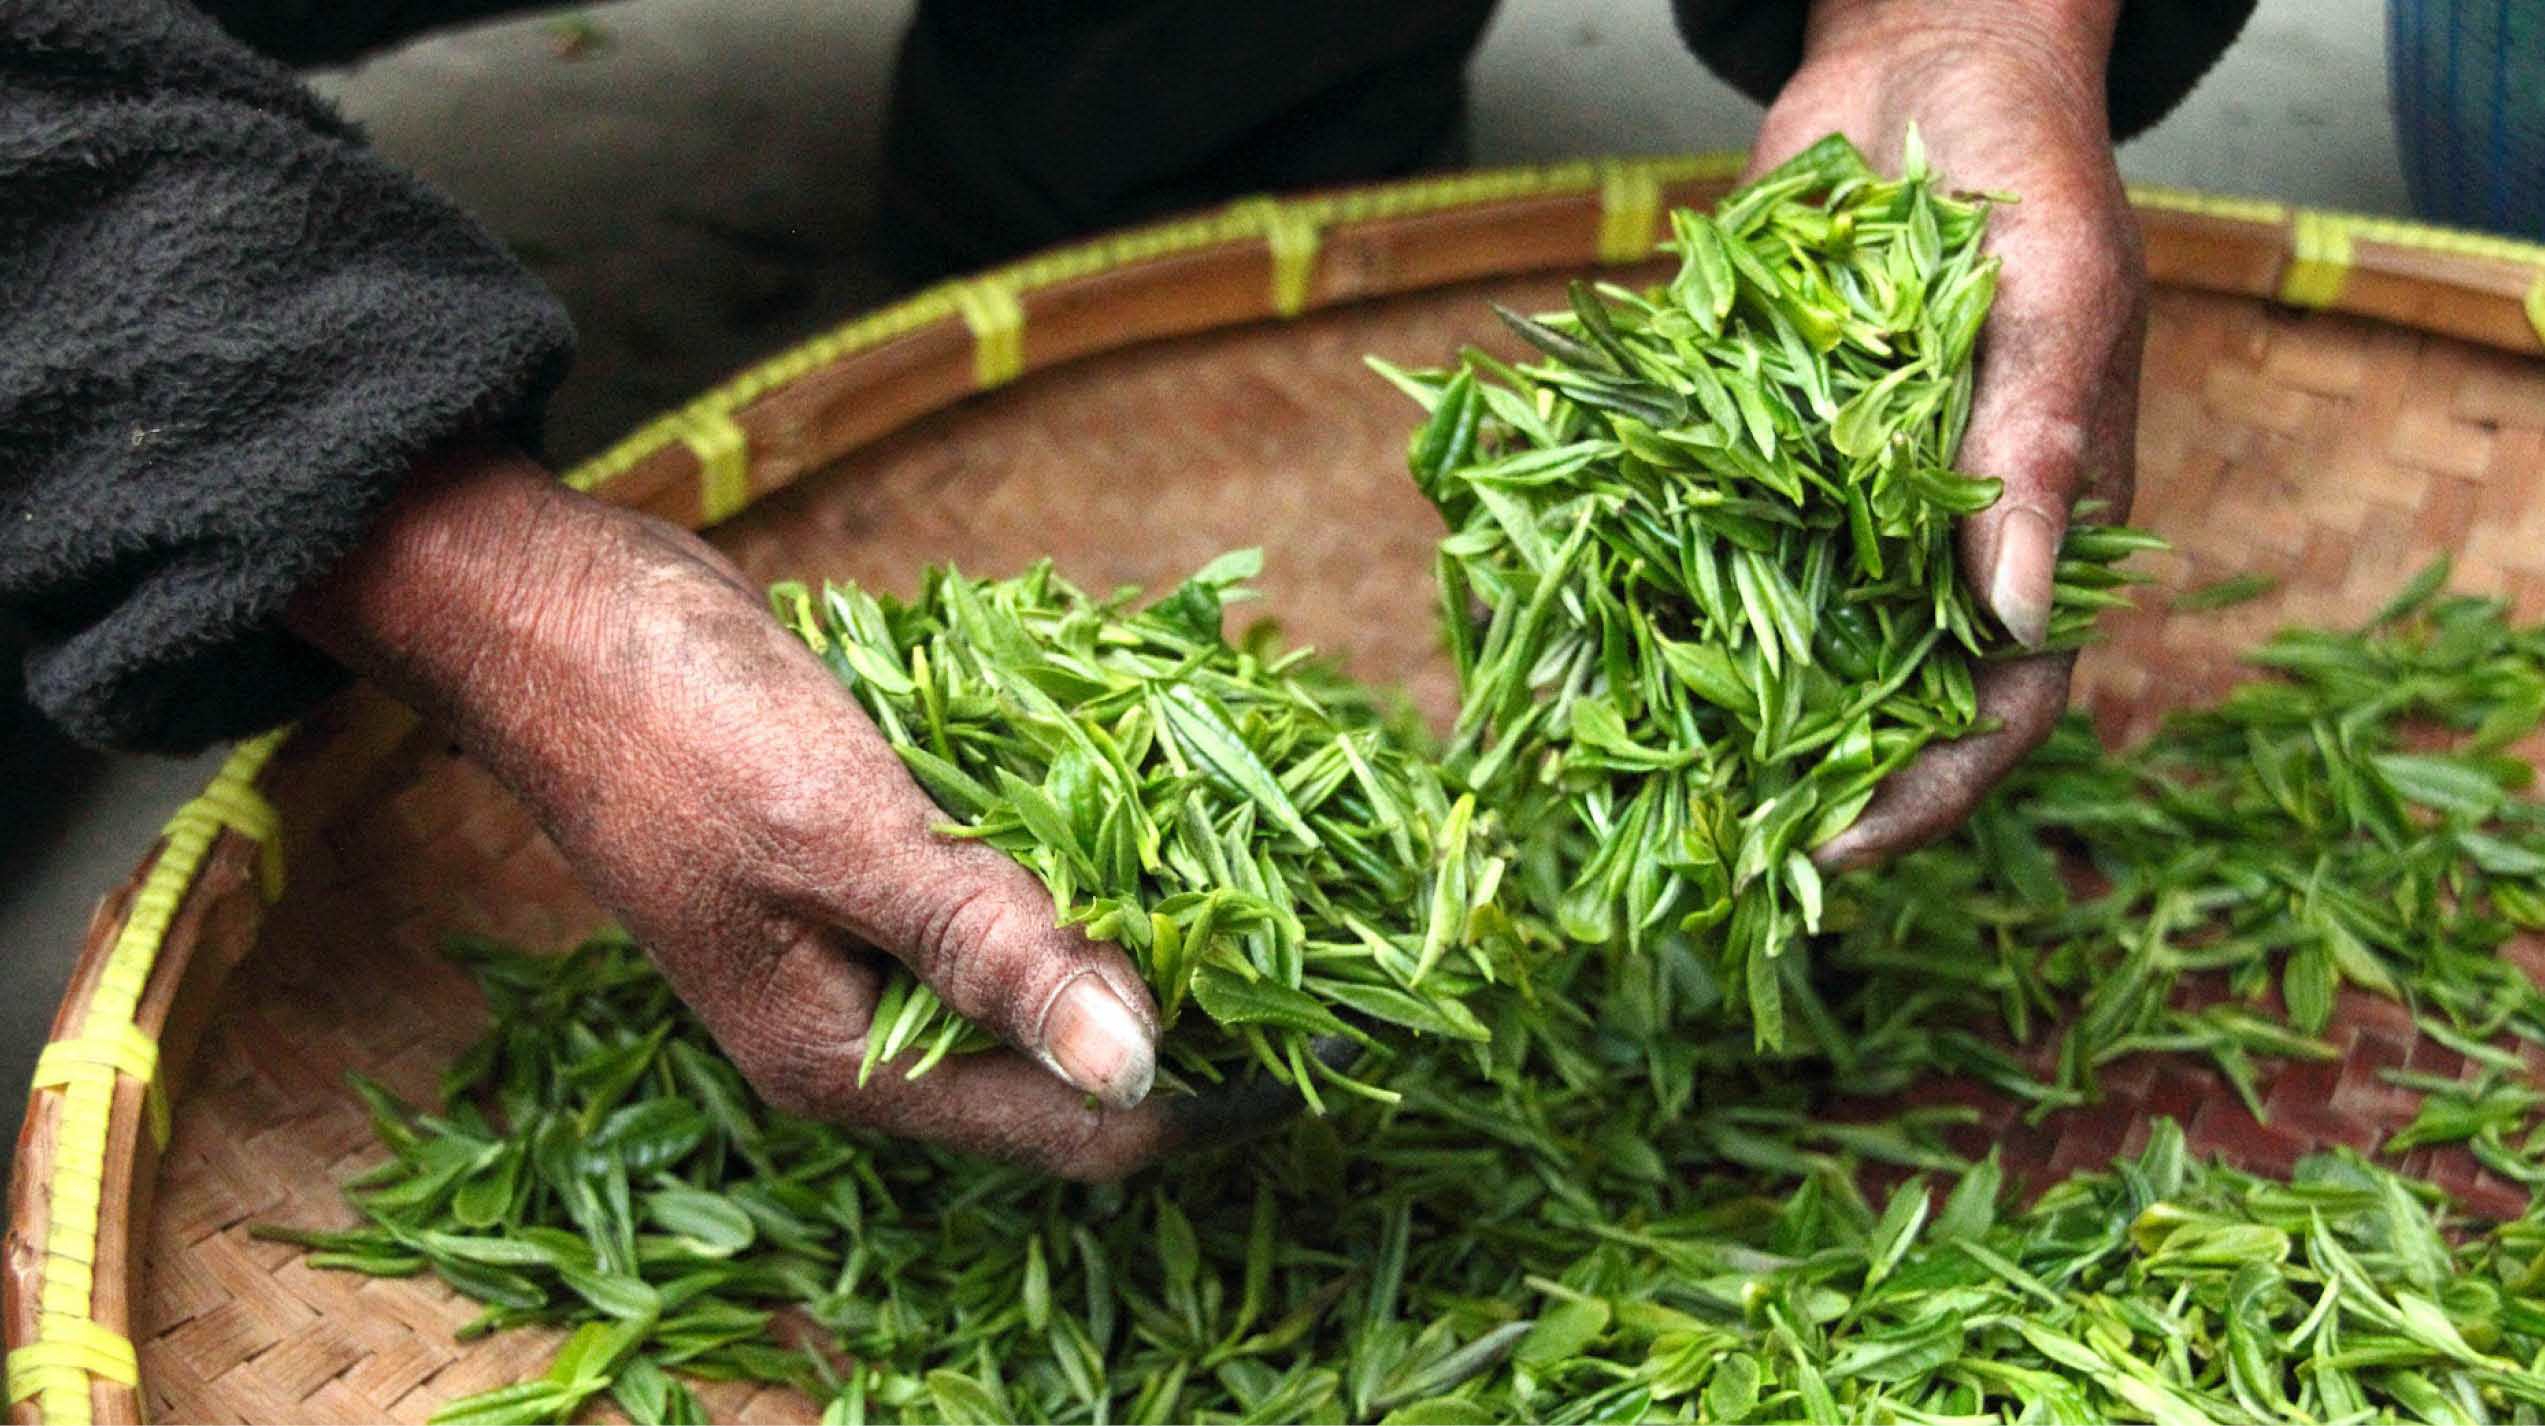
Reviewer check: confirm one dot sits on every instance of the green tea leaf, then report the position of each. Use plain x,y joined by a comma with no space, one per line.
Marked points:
1231,999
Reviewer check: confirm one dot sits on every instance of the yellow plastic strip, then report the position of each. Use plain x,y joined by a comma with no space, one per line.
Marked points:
990,307
872,330
2324,246
244,810
2451,242
124,1049
37,1376
67,1356
1629,210
2210,205
237,806
724,458
2319,260
70,1346
1291,233
2455,242
925,309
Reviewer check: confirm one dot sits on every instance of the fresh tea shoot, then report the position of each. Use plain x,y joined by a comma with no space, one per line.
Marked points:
1509,1242
1700,582
1278,854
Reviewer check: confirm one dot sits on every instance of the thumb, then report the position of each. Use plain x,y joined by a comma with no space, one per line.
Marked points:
977,928
2053,413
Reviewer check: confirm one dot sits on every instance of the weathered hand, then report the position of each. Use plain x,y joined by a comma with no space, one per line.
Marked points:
2008,97
719,790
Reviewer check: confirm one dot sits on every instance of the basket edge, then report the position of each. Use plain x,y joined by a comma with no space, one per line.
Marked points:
104,1082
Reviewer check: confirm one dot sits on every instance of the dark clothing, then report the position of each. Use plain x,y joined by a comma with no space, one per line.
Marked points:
1017,123
231,328
308,34
2160,51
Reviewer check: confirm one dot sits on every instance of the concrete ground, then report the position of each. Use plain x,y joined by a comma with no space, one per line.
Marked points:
694,177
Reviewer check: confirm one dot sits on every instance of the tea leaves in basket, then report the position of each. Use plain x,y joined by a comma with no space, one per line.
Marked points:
1612,1163
1514,1238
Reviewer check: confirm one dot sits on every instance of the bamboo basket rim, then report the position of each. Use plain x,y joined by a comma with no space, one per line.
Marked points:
98,1110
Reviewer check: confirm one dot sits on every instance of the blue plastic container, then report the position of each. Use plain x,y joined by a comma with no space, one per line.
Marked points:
2469,88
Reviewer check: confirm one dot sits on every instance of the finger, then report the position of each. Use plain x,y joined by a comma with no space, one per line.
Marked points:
2053,406
1938,789
1003,1105
801,1037
999,1104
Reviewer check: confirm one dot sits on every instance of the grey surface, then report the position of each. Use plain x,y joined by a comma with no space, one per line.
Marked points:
694,175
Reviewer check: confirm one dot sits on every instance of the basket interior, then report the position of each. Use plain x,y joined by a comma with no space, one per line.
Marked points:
2337,454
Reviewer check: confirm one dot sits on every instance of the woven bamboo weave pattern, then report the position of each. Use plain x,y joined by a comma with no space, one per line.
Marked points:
2335,453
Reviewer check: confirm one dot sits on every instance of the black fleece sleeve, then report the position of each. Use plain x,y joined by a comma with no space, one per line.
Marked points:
227,330
2160,51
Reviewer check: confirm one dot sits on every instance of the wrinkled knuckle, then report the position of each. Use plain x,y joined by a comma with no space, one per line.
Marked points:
2032,726
2109,261
2105,243
953,929
2100,299
1953,805
2082,273
2059,443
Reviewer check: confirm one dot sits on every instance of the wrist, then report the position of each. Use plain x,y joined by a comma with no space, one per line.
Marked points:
460,584
2069,41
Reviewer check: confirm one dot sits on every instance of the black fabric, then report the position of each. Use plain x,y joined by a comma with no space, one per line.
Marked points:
310,33
1020,123
231,330
2159,52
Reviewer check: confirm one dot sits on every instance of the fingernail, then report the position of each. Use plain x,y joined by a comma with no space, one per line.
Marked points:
1097,1044
2019,587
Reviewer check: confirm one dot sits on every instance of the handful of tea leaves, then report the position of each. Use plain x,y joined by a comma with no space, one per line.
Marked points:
1700,584
1263,839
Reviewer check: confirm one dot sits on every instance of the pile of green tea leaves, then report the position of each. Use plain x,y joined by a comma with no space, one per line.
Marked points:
1701,585
1249,825
2359,819
1515,1239
2362,818
1699,589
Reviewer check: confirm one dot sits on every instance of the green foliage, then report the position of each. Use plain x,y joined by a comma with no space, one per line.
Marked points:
1520,1237
1266,841
1701,577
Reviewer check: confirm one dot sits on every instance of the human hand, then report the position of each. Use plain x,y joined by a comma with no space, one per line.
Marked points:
715,787
2008,98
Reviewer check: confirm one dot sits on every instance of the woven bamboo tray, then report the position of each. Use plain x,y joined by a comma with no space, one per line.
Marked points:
2329,400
